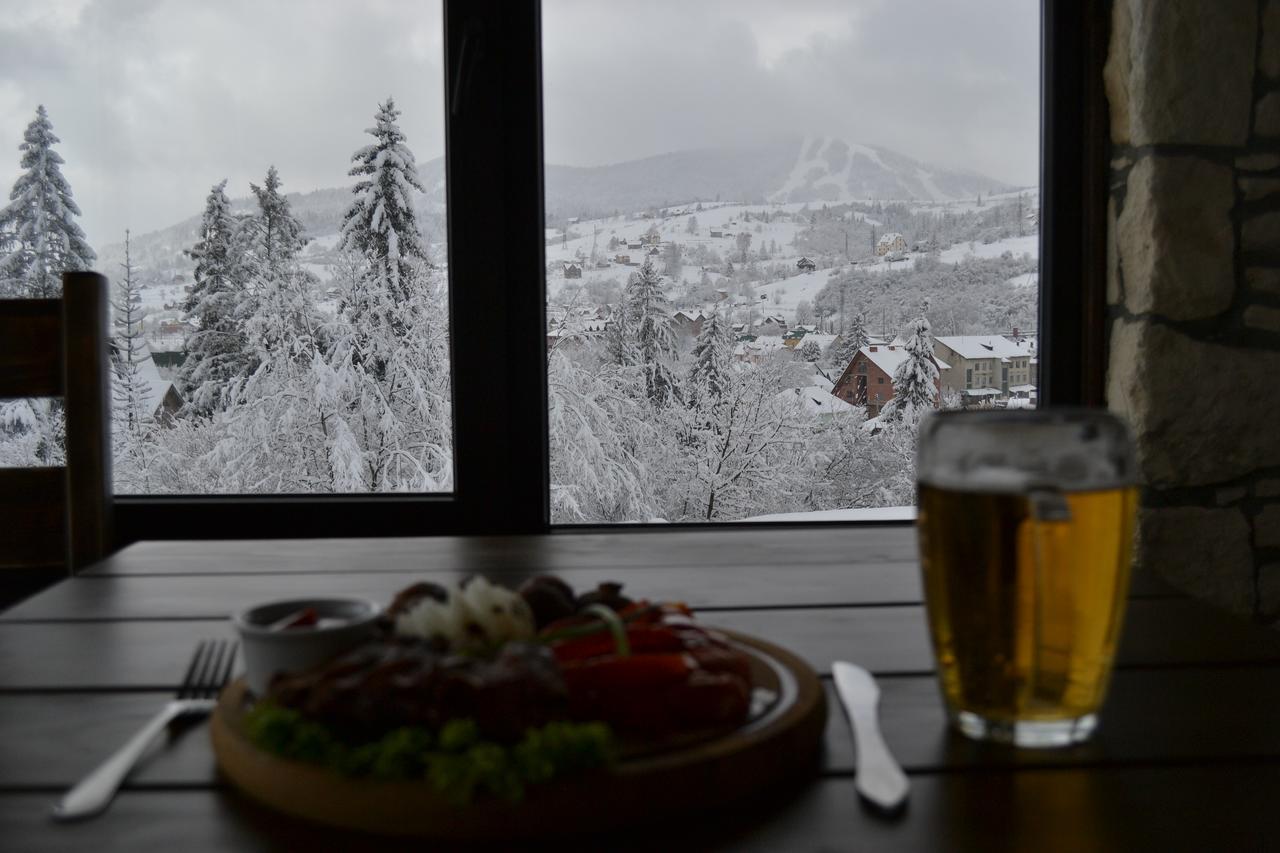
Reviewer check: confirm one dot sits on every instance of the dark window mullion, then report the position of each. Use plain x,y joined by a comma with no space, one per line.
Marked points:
1073,180
496,259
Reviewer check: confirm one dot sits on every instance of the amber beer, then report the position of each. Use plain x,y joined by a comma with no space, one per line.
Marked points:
1025,579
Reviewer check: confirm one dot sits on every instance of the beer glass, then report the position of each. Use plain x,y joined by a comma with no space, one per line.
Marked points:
1026,526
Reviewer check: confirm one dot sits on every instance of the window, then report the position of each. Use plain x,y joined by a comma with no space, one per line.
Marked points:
494,112
279,272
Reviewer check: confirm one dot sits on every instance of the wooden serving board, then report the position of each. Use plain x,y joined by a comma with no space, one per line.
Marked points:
777,745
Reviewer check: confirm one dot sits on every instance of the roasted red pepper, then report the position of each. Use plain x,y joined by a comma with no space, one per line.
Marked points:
642,639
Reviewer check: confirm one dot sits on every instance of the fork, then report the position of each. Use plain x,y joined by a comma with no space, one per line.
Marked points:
209,671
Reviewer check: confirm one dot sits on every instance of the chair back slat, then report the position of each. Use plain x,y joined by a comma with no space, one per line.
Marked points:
59,518
31,348
33,503
86,381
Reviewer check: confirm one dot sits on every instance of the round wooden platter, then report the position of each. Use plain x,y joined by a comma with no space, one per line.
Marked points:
777,743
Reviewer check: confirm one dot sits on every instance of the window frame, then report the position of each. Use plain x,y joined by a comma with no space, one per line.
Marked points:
493,98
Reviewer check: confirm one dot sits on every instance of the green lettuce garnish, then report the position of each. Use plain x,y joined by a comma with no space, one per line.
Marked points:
457,761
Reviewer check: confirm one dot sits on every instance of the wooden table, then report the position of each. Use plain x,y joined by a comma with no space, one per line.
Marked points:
1187,756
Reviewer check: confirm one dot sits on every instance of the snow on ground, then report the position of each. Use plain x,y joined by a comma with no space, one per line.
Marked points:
1027,279
782,297
1028,245
323,243
879,513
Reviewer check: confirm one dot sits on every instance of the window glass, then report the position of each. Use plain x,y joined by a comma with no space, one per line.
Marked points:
263,184
812,179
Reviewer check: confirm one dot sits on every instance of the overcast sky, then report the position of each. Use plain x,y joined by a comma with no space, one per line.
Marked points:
155,100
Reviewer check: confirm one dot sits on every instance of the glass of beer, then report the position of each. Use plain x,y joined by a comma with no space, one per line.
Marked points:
1026,526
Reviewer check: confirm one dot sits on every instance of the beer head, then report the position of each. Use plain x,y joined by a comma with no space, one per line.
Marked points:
1023,451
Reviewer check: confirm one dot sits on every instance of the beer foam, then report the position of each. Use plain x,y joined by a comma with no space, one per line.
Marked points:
1000,453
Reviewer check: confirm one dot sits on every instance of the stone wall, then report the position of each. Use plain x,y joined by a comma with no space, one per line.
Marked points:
1193,286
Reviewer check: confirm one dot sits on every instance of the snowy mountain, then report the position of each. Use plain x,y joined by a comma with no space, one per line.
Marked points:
795,169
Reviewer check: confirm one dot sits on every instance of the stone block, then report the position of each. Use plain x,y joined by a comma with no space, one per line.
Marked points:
1261,233
1266,119
1258,162
1202,413
1255,188
1175,238
1265,279
1262,317
1203,551
1117,71
1187,68
1266,527
1267,488
1231,495
1269,62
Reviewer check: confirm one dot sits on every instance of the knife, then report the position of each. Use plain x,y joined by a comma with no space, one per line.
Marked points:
880,780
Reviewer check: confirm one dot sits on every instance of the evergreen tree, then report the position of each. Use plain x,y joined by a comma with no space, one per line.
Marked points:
381,223
216,351
810,351
280,314
915,389
39,237
130,390
711,356
847,345
277,235
649,313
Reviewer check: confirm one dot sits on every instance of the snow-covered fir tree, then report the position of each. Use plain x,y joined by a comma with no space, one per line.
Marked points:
39,237
380,224
848,343
711,357
281,319
915,389
810,351
130,389
277,235
217,351
389,358
648,311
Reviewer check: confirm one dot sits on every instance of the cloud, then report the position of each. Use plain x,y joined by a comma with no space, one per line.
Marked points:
155,100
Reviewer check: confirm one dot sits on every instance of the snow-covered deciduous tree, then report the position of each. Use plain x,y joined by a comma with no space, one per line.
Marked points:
915,380
39,237
735,448
216,352
599,439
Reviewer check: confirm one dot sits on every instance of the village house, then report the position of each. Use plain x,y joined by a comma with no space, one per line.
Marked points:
772,327
687,324
572,269
985,367
816,401
868,379
757,350
622,259
716,232
891,242
806,265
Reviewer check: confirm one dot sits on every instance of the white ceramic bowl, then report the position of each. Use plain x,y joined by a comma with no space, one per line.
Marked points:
267,652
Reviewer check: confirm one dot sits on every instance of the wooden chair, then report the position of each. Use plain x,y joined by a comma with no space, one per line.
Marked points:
55,521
